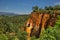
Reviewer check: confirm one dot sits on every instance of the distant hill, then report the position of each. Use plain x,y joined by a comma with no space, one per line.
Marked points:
8,14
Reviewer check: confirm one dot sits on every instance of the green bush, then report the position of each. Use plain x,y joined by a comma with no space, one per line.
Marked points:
3,37
21,35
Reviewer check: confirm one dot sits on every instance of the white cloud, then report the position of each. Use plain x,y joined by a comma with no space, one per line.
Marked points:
58,3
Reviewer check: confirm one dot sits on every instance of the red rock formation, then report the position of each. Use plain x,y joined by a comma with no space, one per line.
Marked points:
53,19
39,21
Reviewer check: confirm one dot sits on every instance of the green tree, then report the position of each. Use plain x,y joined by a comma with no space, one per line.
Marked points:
35,8
56,7
49,8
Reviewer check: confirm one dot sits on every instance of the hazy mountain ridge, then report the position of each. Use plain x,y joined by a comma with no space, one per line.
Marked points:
7,14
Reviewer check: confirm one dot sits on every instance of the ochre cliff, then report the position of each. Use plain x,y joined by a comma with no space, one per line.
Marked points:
39,21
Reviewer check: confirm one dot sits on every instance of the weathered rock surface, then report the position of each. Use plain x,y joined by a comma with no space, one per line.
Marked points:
39,21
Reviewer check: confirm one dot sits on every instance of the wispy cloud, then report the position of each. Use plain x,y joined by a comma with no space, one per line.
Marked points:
57,3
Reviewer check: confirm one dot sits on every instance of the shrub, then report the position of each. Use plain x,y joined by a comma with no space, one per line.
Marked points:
3,37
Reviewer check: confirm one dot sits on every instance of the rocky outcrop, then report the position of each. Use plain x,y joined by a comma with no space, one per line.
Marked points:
39,21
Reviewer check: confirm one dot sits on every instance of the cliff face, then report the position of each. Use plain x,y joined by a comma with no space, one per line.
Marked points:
39,21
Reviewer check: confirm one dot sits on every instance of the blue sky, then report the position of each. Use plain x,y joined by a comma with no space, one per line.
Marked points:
24,6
